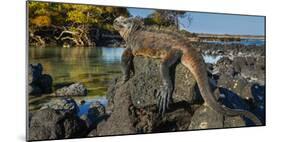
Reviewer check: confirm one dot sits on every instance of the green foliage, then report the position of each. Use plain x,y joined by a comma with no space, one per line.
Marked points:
41,21
164,18
59,14
83,14
38,8
59,22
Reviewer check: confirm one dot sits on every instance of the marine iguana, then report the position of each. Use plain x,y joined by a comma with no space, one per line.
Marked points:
169,48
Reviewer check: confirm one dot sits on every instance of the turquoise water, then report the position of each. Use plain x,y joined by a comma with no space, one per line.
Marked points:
85,107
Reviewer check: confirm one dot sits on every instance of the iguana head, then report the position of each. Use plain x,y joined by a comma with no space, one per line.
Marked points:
127,25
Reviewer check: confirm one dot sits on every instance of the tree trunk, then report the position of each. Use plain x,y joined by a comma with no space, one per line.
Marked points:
79,37
40,42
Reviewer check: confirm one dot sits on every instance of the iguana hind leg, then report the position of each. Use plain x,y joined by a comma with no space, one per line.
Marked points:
164,96
127,64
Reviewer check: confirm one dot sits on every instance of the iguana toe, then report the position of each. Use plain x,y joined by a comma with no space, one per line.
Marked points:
163,99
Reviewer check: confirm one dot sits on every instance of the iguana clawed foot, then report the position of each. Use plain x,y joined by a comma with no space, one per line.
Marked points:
164,98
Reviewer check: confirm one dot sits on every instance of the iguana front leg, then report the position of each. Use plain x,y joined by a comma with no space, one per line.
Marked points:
164,96
127,64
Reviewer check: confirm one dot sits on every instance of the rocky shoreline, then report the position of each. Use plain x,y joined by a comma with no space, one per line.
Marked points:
60,119
238,80
231,50
133,105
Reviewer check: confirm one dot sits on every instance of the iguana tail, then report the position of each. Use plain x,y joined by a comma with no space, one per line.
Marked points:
195,63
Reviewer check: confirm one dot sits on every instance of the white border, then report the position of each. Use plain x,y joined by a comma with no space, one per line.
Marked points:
12,75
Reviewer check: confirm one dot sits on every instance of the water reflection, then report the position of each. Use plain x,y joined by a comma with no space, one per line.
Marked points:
94,67
112,54
83,109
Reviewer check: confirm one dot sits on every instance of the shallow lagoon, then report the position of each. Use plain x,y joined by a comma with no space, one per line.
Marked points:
94,67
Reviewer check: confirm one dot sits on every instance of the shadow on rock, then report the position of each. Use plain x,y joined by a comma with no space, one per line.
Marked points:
38,83
53,124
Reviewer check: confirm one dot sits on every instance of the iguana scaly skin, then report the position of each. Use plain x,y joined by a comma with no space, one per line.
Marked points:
169,48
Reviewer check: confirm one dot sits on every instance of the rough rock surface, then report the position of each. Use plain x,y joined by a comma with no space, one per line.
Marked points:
205,118
63,104
144,85
250,68
242,81
95,114
132,105
53,124
76,89
127,101
119,121
230,49
59,119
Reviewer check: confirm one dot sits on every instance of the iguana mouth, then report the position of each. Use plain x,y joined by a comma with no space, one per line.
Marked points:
117,26
120,22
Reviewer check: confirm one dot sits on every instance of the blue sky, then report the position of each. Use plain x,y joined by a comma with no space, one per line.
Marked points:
216,23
